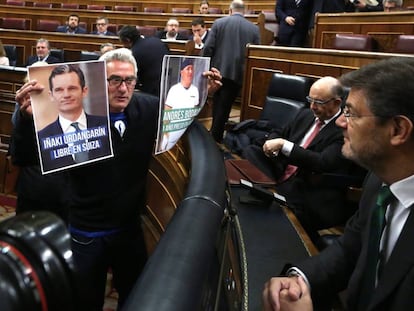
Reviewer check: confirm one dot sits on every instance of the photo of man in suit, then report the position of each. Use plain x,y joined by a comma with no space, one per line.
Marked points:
75,137
42,53
226,45
373,259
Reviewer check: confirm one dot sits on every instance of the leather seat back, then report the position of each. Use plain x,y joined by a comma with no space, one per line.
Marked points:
286,95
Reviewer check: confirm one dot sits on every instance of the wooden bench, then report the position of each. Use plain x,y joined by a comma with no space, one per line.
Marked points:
25,41
263,61
167,5
115,17
384,27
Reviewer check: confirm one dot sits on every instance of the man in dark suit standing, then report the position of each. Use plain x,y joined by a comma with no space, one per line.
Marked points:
226,45
149,53
372,261
62,142
42,53
72,25
200,32
293,17
300,156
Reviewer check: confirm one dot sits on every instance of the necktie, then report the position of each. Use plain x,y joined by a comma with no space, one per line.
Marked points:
297,2
384,198
291,169
83,155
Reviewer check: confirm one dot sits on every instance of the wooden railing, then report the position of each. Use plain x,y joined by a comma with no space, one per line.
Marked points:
159,20
166,5
263,61
384,27
25,41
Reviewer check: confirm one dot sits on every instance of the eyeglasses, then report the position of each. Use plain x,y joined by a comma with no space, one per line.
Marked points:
100,24
349,115
116,81
311,100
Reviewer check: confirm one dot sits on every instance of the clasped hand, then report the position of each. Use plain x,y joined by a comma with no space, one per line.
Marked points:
286,294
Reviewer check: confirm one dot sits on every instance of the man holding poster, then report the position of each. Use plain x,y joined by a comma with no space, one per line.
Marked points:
74,137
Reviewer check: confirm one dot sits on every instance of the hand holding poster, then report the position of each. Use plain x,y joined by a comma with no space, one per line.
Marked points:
183,94
72,126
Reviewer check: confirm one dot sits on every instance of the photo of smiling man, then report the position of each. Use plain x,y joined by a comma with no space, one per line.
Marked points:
78,131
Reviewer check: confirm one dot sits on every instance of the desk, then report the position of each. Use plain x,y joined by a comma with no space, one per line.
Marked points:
272,239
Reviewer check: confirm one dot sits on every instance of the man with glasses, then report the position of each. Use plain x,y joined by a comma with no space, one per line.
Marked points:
372,261
171,31
107,197
301,156
102,27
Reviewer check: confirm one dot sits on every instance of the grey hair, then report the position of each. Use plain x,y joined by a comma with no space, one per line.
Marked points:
237,5
122,55
42,40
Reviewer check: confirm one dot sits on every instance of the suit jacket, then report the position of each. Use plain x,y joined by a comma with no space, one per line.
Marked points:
226,45
50,60
342,265
48,160
300,12
108,33
204,40
163,35
149,53
317,201
64,28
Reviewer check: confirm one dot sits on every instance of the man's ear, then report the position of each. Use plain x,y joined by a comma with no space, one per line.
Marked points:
402,130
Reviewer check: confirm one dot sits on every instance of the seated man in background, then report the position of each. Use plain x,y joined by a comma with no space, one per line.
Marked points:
392,5
72,25
42,53
200,32
373,259
102,27
105,47
302,153
367,5
171,31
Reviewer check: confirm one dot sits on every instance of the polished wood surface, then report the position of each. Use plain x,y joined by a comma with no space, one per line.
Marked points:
263,61
384,27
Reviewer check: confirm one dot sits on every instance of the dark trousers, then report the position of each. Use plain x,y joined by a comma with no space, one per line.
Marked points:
223,100
294,37
124,252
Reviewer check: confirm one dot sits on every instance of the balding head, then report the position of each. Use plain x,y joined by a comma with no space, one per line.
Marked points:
325,97
237,6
